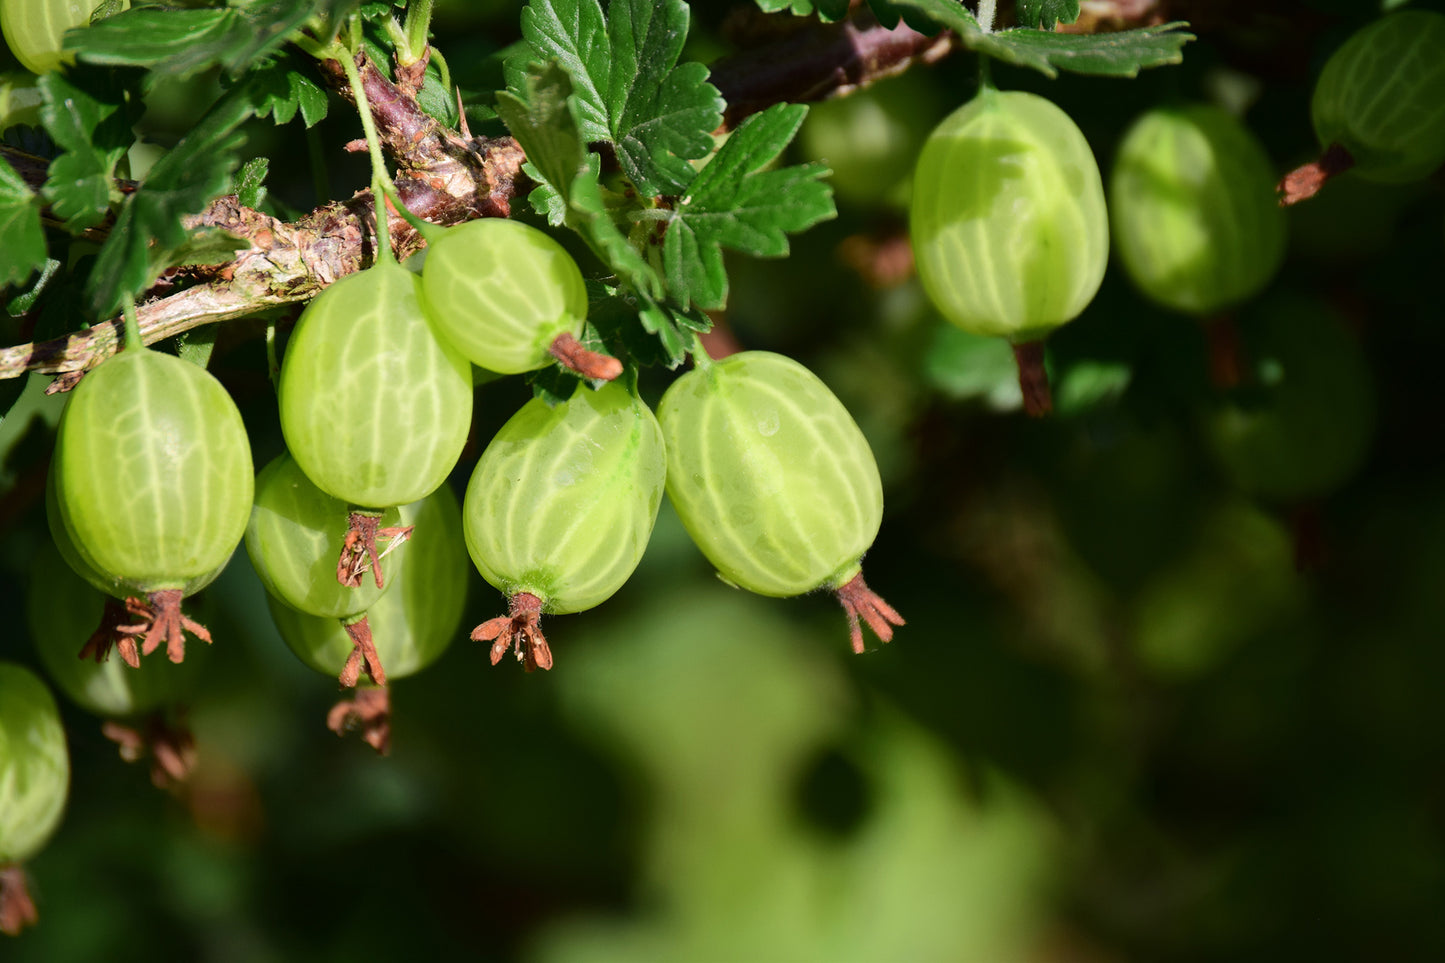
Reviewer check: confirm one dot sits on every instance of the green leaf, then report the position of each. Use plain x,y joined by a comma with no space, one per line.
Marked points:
197,344
148,235
629,88
735,203
542,115
22,240
828,11
1046,13
24,302
282,90
182,42
249,185
1121,54
85,114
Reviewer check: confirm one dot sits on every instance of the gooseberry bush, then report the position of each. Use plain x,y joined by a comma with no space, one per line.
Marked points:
413,314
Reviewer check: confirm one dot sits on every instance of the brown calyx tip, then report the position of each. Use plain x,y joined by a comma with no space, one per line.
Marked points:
1305,181
17,909
171,746
363,654
367,711
1033,378
359,551
519,630
590,364
108,635
862,603
161,618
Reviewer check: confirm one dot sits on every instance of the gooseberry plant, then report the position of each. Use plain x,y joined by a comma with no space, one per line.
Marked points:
574,223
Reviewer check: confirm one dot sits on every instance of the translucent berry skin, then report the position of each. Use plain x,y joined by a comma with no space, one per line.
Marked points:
35,29
64,543
152,473
1007,219
501,291
374,407
420,614
62,612
1305,425
34,764
1381,96
1195,216
563,500
769,473
294,537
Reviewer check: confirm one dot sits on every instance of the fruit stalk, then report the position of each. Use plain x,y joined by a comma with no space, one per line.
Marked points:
1034,378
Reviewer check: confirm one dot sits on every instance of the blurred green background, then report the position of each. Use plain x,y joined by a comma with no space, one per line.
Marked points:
1137,712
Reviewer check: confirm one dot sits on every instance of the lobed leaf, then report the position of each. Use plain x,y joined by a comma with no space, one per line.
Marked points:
86,115
22,240
629,88
282,90
543,116
1121,54
735,203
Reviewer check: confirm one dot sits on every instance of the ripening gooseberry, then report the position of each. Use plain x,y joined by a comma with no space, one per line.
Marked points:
153,482
559,510
34,781
775,482
1379,105
142,706
374,407
35,29
1303,425
510,298
411,625
295,536
1008,223
1193,209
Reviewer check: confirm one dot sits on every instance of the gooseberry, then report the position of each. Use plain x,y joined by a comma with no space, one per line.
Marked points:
374,407
1379,105
153,483
1193,209
34,782
412,624
559,510
1008,223
510,298
775,482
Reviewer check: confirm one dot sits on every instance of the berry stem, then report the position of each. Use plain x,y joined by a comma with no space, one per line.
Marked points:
1226,356
590,364
861,602
1033,378
1305,181
363,654
17,909
520,630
